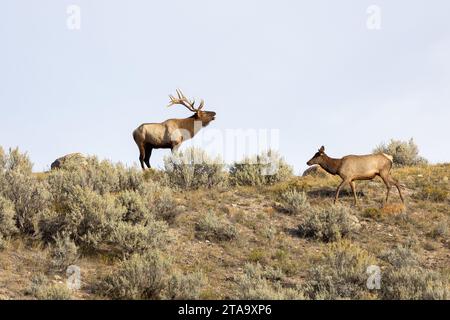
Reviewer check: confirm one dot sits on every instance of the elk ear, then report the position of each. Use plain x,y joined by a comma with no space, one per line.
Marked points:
322,149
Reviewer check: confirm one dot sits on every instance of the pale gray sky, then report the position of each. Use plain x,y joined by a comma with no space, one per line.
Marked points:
310,69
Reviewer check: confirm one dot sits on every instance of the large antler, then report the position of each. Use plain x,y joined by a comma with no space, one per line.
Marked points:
181,99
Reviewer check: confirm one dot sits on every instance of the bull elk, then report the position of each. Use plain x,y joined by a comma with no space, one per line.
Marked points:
171,133
351,168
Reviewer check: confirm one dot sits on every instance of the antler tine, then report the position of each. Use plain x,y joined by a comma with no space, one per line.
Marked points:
202,104
172,100
180,94
187,100
181,100
182,97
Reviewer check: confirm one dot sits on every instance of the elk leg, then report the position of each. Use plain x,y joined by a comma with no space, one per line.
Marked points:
148,154
353,186
388,186
338,190
142,156
397,185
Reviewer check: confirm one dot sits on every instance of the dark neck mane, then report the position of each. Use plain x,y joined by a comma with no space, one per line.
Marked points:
331,165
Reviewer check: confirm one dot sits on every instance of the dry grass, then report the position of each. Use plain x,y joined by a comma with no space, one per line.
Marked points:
266,237
393,208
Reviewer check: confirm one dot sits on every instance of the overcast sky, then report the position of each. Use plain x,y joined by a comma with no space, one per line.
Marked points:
316,72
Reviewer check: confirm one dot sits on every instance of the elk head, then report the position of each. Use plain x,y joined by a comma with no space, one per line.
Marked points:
318,157
199,115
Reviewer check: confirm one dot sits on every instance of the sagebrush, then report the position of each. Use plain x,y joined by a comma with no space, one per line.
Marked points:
405,153
341,273
264,169
330,223
212,227
265,283
193,168
150,276
294,202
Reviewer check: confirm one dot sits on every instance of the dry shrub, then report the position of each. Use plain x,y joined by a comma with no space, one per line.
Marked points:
373,213
150,202
93,220
155,175
30,198
264,283
264,169
139,277
63,253
401,256
7,223
2,169
3,243
405,279
16,161
139,238
184,286
193,168
295,183
85,216
43,289
432,192
294,202
23,189
214,228
129,178
414,283
341,273
441,229
101,176
257,255
138,207
99,203
2,159
147,276
37,281
329,224
164,206
405,153
396,208
54,292
269,232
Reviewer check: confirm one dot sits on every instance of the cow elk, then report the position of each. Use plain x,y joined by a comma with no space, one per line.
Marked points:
352,167
171,133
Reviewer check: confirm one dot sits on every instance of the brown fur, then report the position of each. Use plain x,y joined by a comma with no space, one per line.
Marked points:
352,168
168,134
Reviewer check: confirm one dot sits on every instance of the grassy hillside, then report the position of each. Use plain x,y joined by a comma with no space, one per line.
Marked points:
200,231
